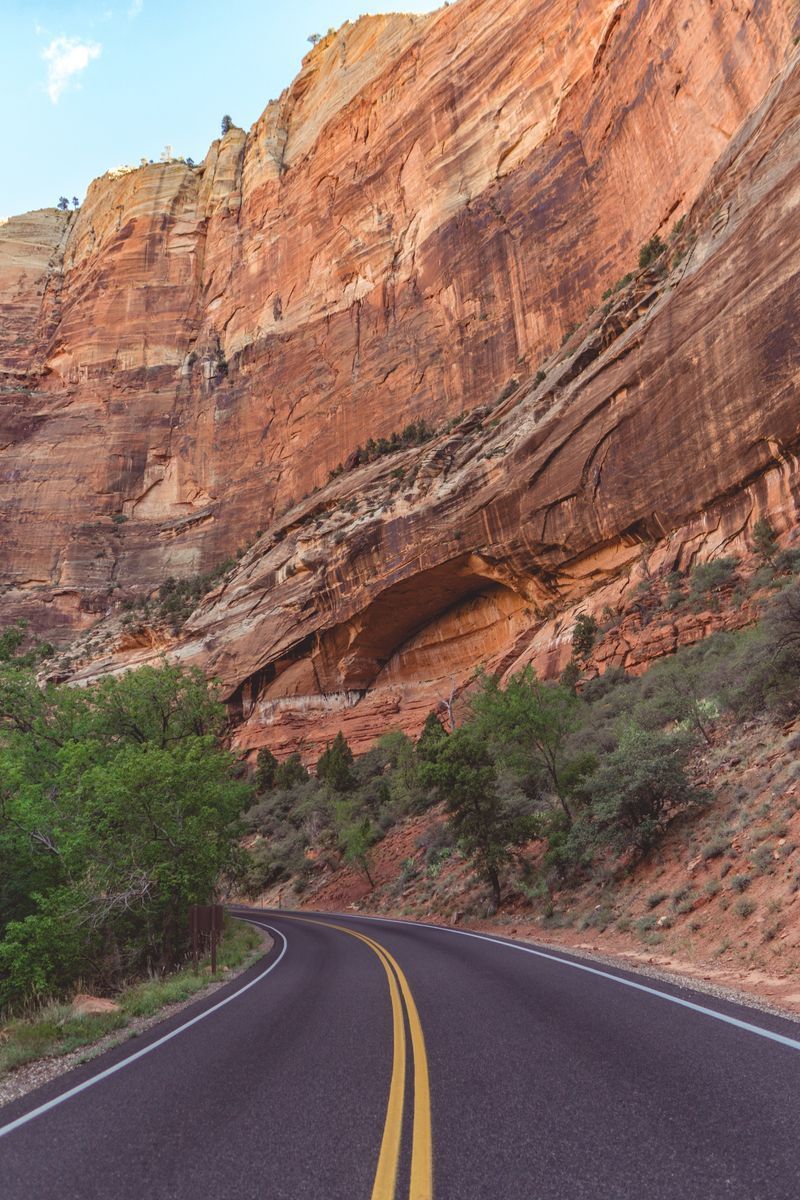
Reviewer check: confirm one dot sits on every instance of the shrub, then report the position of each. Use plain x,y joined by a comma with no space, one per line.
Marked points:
584,635
745,907
765,542
651,251
740,883
636,787
711,576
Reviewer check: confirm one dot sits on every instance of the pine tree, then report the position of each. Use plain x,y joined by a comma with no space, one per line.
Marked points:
334,765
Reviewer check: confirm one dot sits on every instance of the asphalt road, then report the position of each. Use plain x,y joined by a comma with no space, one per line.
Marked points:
410,1061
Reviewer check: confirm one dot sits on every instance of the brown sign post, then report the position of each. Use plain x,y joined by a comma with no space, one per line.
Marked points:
205,923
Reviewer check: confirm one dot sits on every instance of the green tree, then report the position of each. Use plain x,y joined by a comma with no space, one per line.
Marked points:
290,772
431,738
530,723
266,769
334,765
584,636
356,839
464,775
226,124
765,542
651,251
118,809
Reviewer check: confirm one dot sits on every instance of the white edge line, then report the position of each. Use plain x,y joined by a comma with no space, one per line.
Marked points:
87,1083
782,1039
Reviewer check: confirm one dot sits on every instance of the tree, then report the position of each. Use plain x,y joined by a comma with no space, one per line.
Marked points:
765,542
266,768
464,775
651,251
190,162
290,772
334,765
118,809
314,38
76,202
584,636
430,740
63,203
678,690
356,839
226,124
530,722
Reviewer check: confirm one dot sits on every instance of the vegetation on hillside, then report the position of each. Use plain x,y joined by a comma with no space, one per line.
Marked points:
118,809
593,770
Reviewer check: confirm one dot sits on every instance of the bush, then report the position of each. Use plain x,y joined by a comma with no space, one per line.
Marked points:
714,849
745,907
651,251
584,635
638,786
711,576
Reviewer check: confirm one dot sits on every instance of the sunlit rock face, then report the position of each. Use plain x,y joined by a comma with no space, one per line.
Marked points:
409,231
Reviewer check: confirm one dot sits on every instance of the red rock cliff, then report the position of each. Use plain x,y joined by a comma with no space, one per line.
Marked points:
417,220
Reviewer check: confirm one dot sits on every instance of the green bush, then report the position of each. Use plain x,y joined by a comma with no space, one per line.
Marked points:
651,251
638,786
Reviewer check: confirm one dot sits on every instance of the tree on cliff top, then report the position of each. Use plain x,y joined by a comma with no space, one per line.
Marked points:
63,204
226,124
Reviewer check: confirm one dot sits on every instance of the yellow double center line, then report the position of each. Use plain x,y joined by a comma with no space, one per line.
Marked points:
385,1185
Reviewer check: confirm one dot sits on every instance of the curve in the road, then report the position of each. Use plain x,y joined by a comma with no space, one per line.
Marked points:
421,1183
771,1035
132,1058
546,1076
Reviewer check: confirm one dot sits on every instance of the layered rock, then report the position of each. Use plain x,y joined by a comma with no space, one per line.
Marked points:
413,224
655,438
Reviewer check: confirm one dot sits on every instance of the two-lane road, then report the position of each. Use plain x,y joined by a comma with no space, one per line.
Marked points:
371,1059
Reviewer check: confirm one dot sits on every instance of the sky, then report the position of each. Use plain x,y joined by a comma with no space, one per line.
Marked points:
88,85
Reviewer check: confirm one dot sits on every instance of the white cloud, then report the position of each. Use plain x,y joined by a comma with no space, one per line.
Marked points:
134,8
66,57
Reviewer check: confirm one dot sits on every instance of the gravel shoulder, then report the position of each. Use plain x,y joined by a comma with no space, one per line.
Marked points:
32,1075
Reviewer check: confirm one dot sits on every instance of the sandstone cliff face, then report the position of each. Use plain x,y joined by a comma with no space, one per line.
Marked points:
414,223
659,434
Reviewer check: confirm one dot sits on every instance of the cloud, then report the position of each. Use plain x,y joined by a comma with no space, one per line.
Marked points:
66,57
134,8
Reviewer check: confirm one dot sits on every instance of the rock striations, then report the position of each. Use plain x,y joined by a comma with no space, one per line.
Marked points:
409,232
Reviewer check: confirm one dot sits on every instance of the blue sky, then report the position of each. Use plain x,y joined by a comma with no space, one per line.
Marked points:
90,84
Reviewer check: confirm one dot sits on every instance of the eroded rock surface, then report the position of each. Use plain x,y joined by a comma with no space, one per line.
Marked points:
408,232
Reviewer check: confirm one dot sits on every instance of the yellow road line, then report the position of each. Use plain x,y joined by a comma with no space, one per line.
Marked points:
421,1186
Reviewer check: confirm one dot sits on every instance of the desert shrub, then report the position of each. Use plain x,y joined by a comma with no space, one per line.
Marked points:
745,907
651,251
584,635
765,542
740,883
714,849
638,786
711,576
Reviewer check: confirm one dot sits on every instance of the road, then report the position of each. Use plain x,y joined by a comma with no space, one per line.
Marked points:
376,1059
